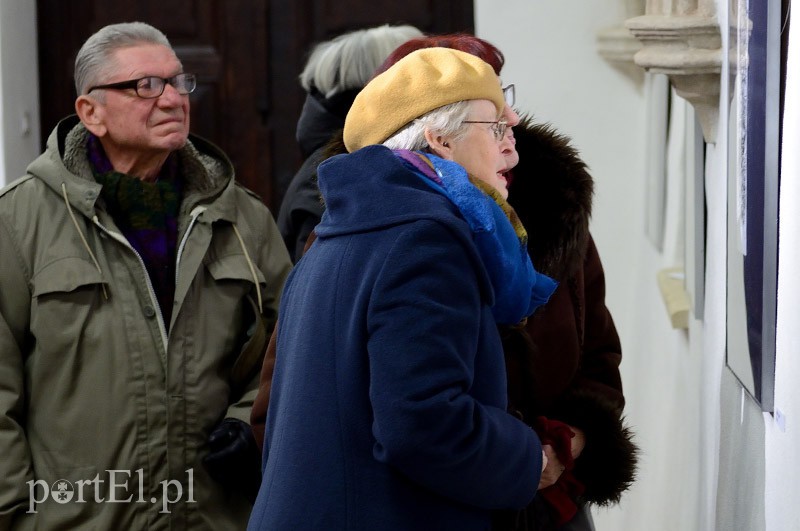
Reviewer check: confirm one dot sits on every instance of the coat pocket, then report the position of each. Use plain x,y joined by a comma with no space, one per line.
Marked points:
67,275
66,308
234,267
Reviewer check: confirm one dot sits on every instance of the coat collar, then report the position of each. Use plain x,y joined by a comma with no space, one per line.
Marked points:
552,191
207,172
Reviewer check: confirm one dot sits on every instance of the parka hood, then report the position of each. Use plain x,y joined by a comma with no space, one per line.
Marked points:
320,118
64,162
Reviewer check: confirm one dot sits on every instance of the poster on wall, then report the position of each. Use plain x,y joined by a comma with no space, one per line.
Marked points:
753,183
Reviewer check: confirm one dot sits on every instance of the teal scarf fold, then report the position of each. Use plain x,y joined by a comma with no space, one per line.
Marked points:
498,234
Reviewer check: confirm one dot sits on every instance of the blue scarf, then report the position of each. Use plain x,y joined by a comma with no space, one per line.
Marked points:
498,234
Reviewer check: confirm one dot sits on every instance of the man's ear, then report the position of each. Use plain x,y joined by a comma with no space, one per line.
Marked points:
439,144
92,113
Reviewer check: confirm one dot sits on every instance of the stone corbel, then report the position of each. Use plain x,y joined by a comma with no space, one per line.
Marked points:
618,46
688,49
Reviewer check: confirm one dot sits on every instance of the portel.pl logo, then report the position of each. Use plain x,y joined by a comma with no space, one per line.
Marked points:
64,491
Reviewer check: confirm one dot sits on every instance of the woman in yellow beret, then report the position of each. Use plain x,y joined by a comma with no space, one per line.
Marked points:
388,400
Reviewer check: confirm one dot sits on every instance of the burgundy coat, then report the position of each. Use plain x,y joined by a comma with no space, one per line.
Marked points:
564,362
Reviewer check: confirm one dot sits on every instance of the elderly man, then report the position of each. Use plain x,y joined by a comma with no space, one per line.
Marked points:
138,284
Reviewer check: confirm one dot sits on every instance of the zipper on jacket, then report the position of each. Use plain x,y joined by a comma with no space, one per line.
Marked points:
162,328
160,318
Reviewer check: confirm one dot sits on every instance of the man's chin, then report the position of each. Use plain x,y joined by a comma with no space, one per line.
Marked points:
174,141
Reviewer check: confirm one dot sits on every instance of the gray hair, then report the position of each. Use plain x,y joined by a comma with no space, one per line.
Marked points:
349,60
94,59
447,120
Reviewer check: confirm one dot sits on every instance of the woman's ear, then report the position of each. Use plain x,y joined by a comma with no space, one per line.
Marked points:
440,145
90,111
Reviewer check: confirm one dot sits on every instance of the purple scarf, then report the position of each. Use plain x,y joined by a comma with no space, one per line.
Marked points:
147,215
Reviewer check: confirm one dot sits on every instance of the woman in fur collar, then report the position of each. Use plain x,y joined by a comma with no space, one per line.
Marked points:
563,364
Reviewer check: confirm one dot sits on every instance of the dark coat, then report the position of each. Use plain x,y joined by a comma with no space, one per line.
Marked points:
301,208
564,363
388,407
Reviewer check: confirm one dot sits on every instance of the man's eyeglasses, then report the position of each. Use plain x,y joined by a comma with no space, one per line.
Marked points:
509,94
498,127
153,86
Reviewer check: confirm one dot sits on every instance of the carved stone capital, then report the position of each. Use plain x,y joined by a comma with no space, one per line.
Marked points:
688,49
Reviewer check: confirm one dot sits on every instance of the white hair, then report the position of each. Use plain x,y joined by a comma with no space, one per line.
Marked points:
94,59
447,120
349,60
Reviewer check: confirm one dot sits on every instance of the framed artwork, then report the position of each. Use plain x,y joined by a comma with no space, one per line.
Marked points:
753,185
695,215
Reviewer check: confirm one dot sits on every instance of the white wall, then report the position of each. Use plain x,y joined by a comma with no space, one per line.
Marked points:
783,445
711,460
3,179
19,88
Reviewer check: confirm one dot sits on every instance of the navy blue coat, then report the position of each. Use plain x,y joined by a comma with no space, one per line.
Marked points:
388,401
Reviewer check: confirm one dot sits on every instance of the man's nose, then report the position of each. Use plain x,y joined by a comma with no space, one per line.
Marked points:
170,97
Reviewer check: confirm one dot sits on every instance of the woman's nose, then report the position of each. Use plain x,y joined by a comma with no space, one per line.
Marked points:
512,118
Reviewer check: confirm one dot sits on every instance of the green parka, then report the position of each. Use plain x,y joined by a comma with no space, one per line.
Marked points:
105,409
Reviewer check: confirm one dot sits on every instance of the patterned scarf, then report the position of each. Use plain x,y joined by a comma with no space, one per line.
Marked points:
147,215
497,231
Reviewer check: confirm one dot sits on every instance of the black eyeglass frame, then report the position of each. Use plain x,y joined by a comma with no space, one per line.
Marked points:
188,80
498,127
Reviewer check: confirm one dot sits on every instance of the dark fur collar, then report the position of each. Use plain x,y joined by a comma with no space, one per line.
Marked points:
552,194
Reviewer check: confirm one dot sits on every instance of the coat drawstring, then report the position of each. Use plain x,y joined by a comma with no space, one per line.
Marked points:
248,363
83,238
251,266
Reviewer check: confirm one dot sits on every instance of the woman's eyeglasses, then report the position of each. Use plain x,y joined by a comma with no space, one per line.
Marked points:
498,127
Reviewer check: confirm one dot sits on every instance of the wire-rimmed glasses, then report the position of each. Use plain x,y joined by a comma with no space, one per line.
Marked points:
498,127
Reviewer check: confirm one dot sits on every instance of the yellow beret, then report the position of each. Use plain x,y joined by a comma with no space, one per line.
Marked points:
418,83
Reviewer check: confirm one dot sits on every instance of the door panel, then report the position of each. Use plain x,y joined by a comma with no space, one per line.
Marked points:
247,55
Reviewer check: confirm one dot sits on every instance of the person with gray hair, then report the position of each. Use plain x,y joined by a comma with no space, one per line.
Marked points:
334,73
387,405
139,284
93,60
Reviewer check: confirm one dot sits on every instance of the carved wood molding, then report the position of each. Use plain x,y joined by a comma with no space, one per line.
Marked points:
688,49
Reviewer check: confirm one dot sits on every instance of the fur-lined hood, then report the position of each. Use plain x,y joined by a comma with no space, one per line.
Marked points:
551,190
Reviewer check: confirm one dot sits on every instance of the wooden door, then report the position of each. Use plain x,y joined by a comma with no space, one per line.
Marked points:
247,55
